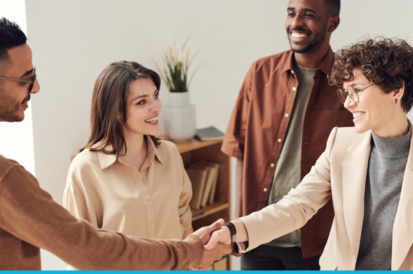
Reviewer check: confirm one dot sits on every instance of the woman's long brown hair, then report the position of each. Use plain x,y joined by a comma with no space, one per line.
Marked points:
109,99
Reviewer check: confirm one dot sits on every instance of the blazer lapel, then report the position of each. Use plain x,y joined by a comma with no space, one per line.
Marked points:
402,228
354,172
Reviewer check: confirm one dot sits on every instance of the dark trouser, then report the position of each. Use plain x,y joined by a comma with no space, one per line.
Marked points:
267,257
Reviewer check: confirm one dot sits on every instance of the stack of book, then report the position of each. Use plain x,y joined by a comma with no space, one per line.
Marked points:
204,178
209,134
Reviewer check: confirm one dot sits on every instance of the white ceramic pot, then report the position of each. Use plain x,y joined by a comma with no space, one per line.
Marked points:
179,117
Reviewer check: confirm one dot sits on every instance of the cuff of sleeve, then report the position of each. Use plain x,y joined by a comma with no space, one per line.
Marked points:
231,151
242,247
196,248
251,243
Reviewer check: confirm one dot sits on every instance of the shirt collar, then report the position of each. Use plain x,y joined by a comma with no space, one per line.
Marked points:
153,151
107,160
325,66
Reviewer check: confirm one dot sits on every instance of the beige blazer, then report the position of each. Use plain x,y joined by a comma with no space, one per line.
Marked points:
340,173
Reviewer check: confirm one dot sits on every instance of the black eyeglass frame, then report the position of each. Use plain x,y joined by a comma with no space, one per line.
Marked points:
339,92
31,82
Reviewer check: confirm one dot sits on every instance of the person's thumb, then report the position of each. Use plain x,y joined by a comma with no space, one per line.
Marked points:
216,225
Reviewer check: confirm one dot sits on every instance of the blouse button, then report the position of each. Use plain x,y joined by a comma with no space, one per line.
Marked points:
279,140
292,71
286,115
151,225
272,164
146,198
294,88
265,189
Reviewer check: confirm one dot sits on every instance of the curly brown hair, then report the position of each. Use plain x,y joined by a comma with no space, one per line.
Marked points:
385,62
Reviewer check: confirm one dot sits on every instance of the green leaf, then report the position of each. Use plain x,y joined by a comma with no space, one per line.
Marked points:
176,64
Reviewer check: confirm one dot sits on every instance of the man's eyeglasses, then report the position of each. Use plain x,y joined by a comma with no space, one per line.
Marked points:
352,92
31,82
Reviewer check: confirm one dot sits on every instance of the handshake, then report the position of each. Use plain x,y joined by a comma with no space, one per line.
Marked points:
216,240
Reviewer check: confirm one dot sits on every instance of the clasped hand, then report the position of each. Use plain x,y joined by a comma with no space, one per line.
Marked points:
222,236
214,246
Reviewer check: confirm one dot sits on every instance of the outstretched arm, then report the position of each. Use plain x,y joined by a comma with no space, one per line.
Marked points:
29,213
289,214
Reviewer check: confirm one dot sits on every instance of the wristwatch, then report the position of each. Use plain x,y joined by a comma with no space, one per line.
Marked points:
232,230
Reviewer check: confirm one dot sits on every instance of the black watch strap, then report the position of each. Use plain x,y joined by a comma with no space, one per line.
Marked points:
231,228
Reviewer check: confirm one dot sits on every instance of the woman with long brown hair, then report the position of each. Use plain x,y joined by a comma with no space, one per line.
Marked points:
124,179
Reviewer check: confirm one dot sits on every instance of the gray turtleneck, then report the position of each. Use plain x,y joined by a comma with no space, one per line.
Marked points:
387,163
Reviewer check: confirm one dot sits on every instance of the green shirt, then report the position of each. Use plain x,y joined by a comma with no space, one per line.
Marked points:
287,171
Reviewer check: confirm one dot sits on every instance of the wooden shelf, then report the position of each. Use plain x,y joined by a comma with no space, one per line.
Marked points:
208,210
210,151
195,144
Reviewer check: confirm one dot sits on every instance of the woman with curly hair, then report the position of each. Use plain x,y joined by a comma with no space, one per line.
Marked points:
367,169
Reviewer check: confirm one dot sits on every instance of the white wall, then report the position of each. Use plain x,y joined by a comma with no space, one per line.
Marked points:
74,40
16,139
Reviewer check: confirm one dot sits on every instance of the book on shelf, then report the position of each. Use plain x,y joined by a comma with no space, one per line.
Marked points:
215,166
209,134
198,179
204,177
208,183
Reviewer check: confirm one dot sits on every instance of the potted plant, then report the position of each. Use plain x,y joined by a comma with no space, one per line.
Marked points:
179,113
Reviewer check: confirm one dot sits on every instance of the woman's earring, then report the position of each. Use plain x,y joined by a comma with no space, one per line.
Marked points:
395,101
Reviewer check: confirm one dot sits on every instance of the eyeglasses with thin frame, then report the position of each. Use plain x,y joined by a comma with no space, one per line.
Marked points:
352,92
31,82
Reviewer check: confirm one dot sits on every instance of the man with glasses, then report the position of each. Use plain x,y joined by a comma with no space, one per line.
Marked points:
30,219
279,127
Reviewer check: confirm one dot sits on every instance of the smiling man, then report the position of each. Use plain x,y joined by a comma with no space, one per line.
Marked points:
279,127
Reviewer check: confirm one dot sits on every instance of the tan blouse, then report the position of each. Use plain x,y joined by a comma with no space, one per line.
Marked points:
113,195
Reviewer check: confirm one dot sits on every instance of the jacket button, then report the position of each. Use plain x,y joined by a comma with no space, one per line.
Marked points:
265,189
151,225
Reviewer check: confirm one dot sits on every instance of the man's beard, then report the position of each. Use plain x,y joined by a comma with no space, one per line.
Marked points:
8,109
318,40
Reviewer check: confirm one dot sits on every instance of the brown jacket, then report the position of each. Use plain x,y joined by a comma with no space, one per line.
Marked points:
257,129
30,219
